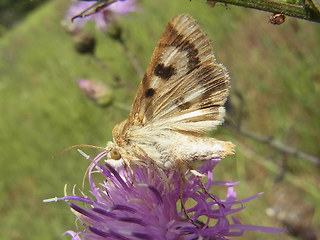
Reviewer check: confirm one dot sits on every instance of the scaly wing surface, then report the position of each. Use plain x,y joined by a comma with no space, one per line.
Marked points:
183,86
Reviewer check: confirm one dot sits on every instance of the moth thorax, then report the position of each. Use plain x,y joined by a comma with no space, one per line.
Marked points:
118,133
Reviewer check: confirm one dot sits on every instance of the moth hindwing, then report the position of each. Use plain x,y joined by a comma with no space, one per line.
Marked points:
180,97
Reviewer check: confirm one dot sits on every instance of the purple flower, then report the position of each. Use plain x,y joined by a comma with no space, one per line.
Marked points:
97,92
102,17
141,203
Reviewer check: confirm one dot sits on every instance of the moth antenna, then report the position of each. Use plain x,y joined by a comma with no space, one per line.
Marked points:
76,146
86,173
84,177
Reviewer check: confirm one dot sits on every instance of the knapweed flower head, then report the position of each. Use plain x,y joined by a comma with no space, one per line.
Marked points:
103,17
143,203
96,91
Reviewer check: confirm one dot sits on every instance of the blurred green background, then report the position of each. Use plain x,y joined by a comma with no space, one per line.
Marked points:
275,74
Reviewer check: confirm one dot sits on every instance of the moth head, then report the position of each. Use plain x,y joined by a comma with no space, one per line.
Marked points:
114,157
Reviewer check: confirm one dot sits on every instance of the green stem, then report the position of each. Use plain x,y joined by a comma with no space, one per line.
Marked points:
305,10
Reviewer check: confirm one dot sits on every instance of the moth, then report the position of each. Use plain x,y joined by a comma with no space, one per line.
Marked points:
181,96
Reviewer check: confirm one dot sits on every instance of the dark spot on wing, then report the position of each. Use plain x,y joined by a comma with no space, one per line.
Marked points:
184,106
213,78
185,45
206,75
164,72
179,100
173,35
194,61
149,93
181,104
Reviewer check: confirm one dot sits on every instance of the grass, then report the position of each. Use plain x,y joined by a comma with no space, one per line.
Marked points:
274,68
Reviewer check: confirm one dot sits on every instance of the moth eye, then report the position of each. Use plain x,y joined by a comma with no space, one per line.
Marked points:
114,154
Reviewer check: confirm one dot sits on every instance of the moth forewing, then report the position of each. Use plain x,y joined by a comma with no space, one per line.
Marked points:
180,97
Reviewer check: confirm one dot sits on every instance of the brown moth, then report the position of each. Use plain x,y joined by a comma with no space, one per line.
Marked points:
180,97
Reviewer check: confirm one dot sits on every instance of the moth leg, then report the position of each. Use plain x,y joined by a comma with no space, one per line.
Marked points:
200,177
196,173
183,166
209,194
182,180
128,171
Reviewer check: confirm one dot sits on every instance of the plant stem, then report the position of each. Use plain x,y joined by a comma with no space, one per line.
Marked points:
304,10
278,146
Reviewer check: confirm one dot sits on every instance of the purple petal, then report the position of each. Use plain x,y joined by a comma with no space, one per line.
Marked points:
145,206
